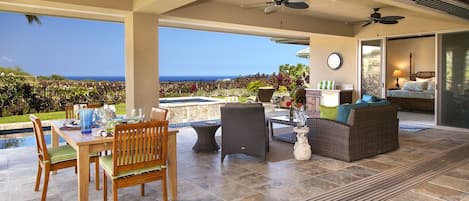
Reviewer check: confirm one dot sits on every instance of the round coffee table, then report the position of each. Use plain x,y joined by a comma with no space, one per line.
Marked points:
205,136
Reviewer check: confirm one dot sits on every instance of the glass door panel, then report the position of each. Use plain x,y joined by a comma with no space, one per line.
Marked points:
453,82
371,67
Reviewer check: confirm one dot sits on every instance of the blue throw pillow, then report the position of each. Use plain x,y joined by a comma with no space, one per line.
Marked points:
359,101
369,98
344,111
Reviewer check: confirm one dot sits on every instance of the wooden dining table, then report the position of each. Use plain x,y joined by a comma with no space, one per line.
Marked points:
85,144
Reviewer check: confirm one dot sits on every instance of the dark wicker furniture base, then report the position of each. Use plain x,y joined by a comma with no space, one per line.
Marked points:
205,137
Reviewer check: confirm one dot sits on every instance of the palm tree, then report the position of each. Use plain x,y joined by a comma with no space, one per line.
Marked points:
33,19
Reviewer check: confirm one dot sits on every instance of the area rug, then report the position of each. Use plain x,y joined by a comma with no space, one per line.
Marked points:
286,137
411,128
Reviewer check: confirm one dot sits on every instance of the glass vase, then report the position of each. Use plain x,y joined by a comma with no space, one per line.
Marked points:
300,116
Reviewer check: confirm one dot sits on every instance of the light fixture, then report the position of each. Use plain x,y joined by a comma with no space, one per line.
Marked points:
397,73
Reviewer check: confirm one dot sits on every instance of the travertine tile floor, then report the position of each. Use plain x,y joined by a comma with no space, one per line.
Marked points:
240,177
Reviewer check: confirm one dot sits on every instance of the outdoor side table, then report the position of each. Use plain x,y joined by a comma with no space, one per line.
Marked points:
205,136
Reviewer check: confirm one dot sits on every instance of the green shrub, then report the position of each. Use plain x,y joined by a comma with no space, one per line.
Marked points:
255,85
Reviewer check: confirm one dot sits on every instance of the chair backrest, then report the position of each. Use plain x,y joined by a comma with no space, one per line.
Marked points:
158,114
265,94
373,116
244,129
93,105
139,145
40,141
70,112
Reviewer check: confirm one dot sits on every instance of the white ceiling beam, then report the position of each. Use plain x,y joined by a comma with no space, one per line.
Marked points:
158,6
188,23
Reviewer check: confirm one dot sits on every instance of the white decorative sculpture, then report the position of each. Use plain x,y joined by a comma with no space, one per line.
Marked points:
302,149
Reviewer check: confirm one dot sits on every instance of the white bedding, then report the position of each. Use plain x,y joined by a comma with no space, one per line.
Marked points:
412,94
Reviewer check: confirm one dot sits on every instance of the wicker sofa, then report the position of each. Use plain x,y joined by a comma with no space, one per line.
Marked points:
369,131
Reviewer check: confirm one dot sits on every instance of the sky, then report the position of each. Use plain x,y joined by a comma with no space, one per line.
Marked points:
75,47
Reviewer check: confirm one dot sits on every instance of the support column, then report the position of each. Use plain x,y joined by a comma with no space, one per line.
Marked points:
142,83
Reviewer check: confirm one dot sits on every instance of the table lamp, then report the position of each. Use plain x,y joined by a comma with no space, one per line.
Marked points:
397,74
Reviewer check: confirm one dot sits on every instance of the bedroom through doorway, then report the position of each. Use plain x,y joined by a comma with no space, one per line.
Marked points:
411,78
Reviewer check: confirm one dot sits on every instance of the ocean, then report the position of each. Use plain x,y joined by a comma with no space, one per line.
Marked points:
162,78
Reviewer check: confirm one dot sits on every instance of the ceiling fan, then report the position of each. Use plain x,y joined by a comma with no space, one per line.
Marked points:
376,17
272,6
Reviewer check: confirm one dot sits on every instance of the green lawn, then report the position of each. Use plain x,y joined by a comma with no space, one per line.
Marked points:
120,110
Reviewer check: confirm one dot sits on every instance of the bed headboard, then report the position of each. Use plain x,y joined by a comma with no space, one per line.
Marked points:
422,74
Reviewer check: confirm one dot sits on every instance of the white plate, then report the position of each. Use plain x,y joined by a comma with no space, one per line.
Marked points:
69,125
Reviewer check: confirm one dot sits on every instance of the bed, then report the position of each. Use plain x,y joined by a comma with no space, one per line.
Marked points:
422,100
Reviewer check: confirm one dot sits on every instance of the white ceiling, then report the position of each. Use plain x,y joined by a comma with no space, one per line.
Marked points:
338,10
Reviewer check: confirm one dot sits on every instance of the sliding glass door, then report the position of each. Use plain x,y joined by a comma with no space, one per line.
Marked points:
453,82
371,73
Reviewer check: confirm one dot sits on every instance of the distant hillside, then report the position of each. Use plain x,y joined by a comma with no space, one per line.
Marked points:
18,71
15,70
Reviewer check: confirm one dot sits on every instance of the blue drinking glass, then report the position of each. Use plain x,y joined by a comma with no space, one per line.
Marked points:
86,120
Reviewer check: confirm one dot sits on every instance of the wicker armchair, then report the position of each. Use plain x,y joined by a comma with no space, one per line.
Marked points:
370,131
244,130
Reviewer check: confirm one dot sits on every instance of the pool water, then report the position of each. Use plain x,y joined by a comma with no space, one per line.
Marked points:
23,141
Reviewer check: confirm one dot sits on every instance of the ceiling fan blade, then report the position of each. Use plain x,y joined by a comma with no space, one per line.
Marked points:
255,5
388,21
366,24
296,5
392,18
271,9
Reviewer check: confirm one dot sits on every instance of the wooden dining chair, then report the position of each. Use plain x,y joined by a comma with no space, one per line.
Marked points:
158,114
70,112
52,159
138,157
93,105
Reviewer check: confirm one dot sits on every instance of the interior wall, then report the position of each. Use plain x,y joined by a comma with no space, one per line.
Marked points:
320,48
398,57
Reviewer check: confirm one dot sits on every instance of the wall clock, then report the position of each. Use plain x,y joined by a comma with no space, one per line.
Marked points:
334,61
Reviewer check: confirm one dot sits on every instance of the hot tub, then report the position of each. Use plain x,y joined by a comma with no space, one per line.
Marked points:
183,110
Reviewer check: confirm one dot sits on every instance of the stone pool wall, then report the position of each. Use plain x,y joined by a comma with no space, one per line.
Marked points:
181,114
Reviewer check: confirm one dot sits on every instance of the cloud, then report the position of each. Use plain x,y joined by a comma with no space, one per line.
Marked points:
5,59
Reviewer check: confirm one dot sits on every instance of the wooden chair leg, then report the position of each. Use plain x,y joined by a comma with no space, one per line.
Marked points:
38,177
76,169
96,166
104,186
164,187
114,191
142,190
46,183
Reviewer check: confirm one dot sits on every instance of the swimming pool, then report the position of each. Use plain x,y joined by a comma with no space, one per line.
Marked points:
22,140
